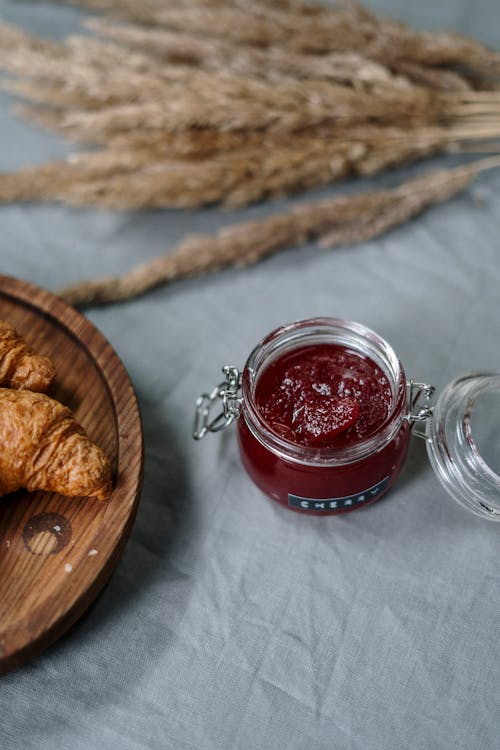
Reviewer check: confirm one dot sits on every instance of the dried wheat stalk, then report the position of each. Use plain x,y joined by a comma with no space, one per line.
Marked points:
122,179
337,221
273,63
203,101
319,29
137,95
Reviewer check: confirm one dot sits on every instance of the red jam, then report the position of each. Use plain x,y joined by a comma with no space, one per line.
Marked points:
322,429
323,395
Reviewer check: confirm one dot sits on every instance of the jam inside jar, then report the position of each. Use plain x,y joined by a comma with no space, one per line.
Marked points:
323,427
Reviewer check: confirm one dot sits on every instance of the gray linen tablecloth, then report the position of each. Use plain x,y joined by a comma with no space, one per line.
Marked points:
231,622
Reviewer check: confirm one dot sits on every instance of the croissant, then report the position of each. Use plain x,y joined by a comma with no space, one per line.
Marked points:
44,448
20,367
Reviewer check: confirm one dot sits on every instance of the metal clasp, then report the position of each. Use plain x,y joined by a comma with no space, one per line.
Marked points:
420,404
229,392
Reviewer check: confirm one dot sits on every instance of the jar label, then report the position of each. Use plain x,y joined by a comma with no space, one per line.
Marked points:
338,503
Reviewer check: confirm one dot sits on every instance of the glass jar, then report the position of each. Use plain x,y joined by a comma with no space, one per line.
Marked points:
328,481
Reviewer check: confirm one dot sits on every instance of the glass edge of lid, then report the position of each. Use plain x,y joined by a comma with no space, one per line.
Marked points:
453,454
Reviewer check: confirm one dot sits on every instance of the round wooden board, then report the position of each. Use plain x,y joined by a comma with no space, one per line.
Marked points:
56,553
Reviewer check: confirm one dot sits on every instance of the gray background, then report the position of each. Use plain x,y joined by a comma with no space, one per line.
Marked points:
231,622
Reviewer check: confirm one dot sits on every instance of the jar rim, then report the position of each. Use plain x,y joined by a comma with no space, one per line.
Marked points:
325,330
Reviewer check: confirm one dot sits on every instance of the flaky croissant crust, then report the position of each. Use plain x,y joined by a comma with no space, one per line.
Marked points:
20,366
44,448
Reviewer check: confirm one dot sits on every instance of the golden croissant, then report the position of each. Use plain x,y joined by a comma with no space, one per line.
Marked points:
44,448
20,367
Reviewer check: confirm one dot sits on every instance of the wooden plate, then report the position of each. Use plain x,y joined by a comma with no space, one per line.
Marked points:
57,553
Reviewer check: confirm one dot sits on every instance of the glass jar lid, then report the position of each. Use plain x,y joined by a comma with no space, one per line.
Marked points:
463,442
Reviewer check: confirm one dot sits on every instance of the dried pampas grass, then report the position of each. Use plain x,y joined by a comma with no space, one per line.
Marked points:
198,102
338,221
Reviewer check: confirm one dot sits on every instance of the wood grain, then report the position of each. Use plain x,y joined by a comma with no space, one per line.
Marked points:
56,553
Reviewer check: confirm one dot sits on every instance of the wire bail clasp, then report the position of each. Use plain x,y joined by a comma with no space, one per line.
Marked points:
420,404
229,392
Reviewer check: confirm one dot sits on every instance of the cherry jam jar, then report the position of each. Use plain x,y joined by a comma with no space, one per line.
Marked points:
324,414
333,368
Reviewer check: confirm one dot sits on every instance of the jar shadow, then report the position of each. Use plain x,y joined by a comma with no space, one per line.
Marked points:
416,463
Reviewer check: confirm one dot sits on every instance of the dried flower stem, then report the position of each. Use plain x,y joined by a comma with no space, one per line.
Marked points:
128,178
323,31
336,221
272,63
183,119
153,165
